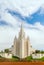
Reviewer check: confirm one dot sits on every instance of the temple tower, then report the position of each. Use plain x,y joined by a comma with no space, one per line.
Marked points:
22,46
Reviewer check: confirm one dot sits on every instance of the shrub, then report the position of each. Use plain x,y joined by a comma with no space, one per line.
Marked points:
0,56
15,58
42,59
29,58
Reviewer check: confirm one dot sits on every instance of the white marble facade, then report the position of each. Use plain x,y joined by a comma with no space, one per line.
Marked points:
22,46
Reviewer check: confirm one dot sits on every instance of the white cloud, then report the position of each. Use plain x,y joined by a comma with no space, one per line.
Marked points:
42,10
7,35
36,34
25,7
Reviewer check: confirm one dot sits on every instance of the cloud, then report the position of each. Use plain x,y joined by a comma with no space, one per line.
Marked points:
25,8
7,35
41,10
35,33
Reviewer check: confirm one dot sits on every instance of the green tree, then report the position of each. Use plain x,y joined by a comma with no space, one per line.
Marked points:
6,50
37,51
42,52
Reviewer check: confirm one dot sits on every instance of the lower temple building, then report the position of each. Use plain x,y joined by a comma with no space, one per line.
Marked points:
22,46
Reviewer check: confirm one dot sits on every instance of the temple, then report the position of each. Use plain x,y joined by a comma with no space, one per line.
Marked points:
22,46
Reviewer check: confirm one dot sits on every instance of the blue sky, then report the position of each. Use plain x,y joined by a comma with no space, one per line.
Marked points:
31,19
13,12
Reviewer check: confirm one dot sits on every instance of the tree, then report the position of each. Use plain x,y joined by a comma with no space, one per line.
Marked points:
42,52
37,51
6,50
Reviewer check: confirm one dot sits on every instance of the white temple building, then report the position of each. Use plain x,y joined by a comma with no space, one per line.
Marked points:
22,46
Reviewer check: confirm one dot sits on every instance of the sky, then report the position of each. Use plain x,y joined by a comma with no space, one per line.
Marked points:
13,13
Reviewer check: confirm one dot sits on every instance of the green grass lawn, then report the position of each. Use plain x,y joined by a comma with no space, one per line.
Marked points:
29,58
16,59
13,59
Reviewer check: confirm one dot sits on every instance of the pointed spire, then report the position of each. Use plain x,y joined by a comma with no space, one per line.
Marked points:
21,30
21,26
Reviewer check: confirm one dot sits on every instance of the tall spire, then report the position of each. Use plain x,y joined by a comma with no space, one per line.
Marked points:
21,30
21,27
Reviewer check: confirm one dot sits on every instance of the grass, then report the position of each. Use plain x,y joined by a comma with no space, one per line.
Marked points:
16,59
29,58
42,59
2,59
